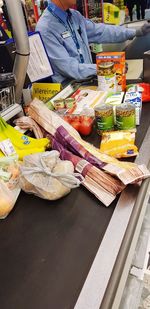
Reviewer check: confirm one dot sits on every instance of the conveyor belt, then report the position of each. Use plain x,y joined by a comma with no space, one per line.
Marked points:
47,248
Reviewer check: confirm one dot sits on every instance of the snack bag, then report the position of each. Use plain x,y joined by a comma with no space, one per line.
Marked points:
119,144
111,71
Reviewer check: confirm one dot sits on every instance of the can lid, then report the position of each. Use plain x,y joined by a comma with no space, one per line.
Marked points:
103,107
125,107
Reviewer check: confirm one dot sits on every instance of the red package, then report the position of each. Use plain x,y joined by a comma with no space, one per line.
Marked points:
146,92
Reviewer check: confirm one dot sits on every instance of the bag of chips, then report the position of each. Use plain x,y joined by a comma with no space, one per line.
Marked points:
119,144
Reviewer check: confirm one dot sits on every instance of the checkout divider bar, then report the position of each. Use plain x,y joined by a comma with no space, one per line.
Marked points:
101,286
119,275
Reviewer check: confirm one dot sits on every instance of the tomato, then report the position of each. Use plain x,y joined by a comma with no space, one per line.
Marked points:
75,125
85,128
88,119
75,118
67,118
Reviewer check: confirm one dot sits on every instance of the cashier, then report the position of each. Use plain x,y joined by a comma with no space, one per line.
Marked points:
67,35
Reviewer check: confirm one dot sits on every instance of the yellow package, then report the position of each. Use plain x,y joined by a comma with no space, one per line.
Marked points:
119,144
111,14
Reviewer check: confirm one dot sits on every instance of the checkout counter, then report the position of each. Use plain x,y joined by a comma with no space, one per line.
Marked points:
74,252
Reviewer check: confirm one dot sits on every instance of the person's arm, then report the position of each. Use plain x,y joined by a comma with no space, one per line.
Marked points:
61,61
102,33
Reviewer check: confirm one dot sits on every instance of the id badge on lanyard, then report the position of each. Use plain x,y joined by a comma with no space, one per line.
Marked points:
69,33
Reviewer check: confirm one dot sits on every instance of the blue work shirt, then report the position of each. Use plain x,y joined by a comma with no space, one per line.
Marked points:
65,57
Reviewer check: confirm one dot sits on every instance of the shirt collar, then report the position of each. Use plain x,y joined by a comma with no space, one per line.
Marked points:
63,15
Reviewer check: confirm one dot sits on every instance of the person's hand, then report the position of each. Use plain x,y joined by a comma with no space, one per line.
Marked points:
145,29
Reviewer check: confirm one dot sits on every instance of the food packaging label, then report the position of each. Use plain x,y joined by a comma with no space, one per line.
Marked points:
111,71
135,98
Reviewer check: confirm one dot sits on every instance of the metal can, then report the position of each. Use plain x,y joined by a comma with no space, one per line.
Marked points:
125,117
70,103
104,118
59,104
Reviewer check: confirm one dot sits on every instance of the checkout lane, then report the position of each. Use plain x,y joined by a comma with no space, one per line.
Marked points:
47,248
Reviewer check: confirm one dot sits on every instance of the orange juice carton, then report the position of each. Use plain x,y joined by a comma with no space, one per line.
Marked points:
111,71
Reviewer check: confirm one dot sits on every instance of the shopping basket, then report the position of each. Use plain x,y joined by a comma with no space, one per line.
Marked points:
7,91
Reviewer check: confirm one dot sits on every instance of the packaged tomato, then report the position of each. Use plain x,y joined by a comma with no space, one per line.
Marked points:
82,123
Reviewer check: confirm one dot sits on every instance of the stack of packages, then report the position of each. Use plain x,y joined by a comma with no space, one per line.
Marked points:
103,175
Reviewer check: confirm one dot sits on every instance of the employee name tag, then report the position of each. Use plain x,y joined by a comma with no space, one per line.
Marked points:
66,34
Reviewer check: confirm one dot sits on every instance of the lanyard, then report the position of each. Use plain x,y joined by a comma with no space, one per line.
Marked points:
71,28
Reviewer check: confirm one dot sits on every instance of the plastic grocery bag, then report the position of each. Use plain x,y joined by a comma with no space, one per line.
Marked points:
9,190
8,199
48,177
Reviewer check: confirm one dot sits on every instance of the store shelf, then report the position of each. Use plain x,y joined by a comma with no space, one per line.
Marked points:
11,111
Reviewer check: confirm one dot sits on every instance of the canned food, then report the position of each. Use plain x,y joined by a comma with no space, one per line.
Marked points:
70,103
104,118
125,117
59,104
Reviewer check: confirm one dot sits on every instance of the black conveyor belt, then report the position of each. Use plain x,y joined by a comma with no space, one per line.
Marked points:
47,248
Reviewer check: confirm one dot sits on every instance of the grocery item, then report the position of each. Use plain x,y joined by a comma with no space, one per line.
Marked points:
82,123
46,176
26,123
70,103
127,172
9,189
115,99
102,185
111,71
59,104
104,118
145,89
134,172
22,143
119,144
9,170
125,117
135,98
111,14
88,99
